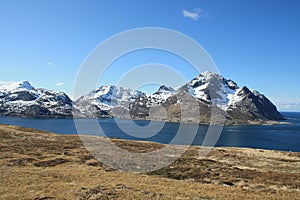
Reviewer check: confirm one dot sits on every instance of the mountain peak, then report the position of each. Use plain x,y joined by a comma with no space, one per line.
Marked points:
114,91
206,78
209,88
209,73
164,88
26,84
20,85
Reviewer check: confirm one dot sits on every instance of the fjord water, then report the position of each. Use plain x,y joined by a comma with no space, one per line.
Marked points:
276,137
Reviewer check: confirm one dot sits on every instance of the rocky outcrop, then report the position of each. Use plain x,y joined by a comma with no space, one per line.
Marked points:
253,106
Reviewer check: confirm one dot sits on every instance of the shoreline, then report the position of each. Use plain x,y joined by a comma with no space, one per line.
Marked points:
226,123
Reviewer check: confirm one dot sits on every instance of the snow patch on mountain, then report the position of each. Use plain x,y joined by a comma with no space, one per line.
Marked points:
233,98
22,99
15,86
107,97
160,96
240,104
213,88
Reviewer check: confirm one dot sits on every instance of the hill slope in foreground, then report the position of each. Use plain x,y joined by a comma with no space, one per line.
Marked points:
42,165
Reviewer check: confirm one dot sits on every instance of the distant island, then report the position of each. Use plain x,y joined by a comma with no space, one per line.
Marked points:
239,105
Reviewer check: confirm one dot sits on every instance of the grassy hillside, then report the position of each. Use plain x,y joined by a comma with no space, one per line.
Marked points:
41,165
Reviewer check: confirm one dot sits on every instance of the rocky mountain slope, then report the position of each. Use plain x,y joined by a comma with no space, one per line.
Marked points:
239,104
100,102
22,99
210,91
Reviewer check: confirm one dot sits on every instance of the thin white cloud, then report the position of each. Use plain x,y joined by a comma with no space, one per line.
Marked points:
6,82
50,63
193,14
59,83
293,106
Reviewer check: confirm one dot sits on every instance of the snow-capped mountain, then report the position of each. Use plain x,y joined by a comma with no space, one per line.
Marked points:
22,99
211,89
15,86
252,105
116,101
240,104
160,96
100,101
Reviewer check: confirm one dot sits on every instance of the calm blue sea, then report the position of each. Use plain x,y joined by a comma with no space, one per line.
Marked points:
275,137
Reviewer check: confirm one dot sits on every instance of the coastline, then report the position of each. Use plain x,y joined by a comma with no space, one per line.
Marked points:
226,122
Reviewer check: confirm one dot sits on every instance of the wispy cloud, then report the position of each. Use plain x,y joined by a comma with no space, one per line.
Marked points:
193,14
50,63
6,82
293,106
59,83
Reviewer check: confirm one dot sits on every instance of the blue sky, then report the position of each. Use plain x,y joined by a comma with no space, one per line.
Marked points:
253,42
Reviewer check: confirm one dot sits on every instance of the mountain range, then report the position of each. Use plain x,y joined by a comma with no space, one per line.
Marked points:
239,105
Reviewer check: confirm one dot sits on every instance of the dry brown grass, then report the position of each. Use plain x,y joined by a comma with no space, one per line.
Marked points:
42,165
